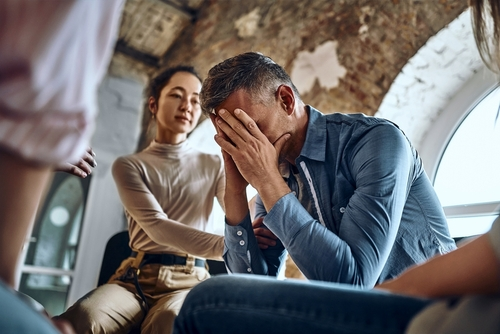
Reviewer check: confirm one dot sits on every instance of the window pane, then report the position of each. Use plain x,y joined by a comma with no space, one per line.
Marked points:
468,171
466,226
55,237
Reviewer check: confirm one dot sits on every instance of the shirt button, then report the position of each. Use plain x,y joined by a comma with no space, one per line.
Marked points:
242,242
239,233
249,270
342,210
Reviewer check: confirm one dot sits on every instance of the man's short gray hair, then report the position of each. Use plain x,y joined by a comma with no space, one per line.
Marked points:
253,72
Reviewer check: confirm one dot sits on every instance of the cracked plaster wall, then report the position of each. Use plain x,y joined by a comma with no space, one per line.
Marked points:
431,78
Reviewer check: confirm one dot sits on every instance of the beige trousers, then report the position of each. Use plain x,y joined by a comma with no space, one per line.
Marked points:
115,307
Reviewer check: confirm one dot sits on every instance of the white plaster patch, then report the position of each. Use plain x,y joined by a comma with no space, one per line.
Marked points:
366,12
363,32
321,64
431,78
247,24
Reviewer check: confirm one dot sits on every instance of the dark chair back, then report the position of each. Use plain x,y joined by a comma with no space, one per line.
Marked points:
117,250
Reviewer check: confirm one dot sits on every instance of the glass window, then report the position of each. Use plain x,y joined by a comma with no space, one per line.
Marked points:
51,255
467,226
468,171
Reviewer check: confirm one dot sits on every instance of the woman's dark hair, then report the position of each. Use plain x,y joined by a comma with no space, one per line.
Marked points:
157,83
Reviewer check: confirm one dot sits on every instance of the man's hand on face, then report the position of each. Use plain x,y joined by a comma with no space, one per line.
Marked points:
235,183
82,168
253,154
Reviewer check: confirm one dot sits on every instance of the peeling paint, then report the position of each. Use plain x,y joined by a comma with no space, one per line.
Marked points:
247,24
321,64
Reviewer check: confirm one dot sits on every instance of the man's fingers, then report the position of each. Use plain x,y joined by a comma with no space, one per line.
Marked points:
239,127
264,232
264,236
278,145
230,128
249,124
258,222
265,241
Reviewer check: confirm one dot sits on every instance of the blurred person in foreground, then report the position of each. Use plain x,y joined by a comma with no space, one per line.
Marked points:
53,55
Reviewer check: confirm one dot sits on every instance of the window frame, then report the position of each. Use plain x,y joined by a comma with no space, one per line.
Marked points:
442,130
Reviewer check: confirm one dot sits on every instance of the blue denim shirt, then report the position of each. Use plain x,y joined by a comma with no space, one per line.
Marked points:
374,211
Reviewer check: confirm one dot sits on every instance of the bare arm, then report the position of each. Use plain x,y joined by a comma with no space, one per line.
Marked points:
470,269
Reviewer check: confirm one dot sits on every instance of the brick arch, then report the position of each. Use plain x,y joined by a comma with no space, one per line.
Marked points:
431,78
373,41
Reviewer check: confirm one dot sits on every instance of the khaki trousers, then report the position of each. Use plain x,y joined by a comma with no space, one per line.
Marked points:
115,307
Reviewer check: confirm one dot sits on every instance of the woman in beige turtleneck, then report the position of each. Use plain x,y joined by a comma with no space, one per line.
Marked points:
167,191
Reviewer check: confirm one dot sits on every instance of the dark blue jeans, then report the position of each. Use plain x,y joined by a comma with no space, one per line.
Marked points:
257,304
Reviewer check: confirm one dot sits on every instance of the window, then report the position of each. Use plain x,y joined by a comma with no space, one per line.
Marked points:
467,180
50,260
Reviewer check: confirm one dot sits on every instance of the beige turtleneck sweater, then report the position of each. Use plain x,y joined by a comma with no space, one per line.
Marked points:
168,192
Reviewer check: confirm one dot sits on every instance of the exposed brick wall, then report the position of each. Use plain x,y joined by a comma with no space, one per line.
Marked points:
343,55
374,40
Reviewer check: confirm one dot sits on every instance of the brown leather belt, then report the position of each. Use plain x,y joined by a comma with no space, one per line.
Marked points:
167,259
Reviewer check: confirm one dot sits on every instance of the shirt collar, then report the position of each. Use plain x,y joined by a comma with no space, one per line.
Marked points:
315,145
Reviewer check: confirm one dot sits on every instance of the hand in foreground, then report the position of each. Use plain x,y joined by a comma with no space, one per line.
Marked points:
264,236
470,269
82,168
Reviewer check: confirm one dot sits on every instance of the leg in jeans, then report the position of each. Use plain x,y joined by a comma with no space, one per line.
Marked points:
254,304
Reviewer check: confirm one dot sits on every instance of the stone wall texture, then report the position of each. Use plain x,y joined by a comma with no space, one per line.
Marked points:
363,44
343,55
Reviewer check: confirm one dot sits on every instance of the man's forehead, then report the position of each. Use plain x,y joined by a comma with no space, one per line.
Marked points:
238,99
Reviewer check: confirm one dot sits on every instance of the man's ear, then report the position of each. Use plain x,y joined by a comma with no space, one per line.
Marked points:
153,106
286,98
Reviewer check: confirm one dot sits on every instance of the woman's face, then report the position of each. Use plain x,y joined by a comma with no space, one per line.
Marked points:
178,108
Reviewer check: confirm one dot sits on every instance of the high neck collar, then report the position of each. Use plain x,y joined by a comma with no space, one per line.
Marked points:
168,148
